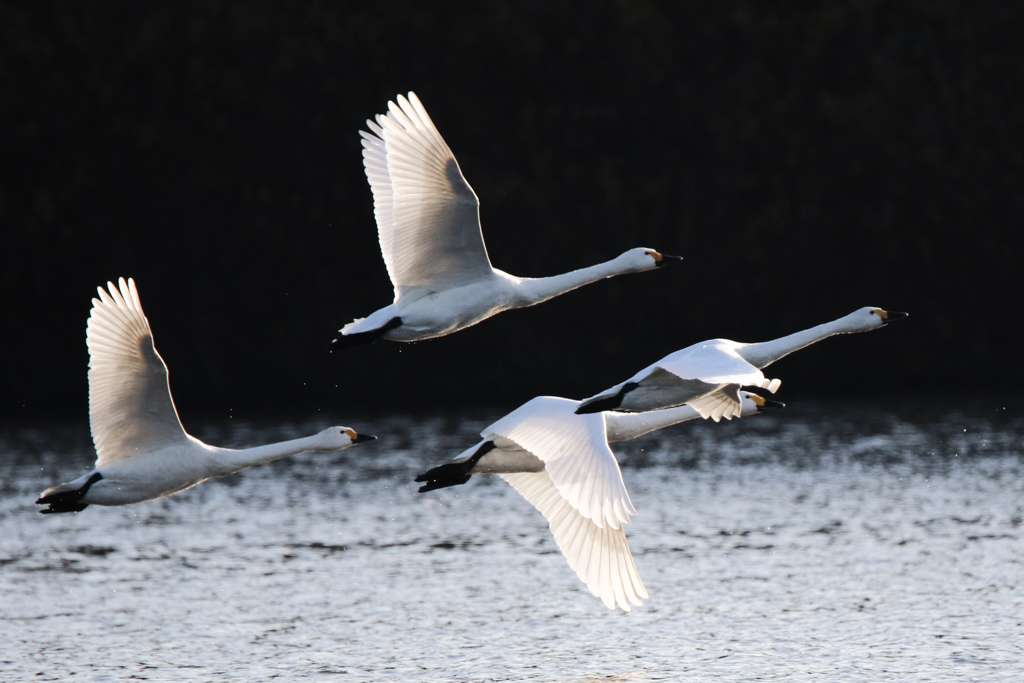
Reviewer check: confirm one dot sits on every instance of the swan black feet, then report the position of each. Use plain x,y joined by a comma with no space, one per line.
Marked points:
360,338
453,473
67,501
610,403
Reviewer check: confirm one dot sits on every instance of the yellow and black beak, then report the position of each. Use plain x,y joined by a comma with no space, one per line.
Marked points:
888,316
664,259
764,404
358,438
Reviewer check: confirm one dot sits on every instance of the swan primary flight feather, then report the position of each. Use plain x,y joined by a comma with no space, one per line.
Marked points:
708,375
142,450
561,463
428,224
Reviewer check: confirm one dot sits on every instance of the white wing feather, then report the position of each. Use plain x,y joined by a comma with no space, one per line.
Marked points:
130,405
713,362
428,218
717,362
599,556
724,403
706,376
576,455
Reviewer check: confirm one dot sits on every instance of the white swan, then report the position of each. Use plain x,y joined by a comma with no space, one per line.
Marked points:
561,463
428,223
708,375
143,451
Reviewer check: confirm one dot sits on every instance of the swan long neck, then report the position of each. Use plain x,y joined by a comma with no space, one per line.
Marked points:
536,290
626,426
763,354
230,460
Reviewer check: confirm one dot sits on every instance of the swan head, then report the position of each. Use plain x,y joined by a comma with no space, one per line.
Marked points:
642,258
752,404
870,318
337,438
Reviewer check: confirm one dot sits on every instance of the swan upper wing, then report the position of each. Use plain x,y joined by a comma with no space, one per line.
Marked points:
428,217
576,455
130,405
705,376
716,364
711,363
600,556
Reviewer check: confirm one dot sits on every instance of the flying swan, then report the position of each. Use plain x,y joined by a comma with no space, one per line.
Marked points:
708,375
561,463
428,223
143,451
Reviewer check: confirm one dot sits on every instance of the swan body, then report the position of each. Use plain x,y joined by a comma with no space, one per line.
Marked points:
142,450
562,464
428,224
708,375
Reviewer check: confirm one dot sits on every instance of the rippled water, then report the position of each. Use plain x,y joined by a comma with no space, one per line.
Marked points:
846,544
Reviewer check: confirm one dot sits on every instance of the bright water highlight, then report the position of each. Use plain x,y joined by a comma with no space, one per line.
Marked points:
847,544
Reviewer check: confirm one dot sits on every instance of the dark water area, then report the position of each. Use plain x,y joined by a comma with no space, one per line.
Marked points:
844,540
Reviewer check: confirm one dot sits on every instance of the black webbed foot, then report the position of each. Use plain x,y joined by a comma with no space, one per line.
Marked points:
452,473
56,507
360,338
68,501
611,403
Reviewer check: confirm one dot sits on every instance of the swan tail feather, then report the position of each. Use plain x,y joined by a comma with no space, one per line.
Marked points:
359,338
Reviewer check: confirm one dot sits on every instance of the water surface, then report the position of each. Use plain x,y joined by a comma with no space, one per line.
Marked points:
850,543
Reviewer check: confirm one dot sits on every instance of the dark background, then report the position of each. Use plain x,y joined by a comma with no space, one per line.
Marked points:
805,158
